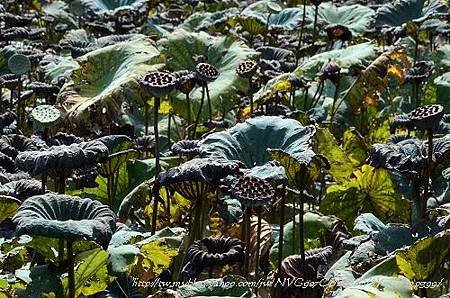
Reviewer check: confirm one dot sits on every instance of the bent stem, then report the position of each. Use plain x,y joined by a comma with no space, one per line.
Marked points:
157,165
70,265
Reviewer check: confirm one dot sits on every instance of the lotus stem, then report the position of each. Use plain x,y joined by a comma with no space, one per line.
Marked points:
247,241
281,234
258,243
60,252
202,100
189,116
18,103
250,95
316,12
209,102
302,233
335,98
267,28
416,47
70,265
302,28
145,118
169,196
44,182
294,209
157,165
317,94
169,120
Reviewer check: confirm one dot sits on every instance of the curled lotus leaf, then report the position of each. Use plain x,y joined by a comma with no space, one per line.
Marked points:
210,252
205,170
65,217
62,158
21,189
409,155
13,144
258,140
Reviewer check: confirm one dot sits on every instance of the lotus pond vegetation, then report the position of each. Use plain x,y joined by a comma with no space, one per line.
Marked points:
225,148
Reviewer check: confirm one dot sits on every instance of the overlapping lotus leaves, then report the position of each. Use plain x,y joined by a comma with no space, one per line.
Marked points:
62,158
107,76
21,189
208,170
286,19
356,17
258,140
66,217
209,20
107,7
13,144
222,52
403,11
408,156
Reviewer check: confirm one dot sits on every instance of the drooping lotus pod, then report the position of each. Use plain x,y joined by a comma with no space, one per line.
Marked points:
61,160
186,147
427,117
210,252
65,217
252,191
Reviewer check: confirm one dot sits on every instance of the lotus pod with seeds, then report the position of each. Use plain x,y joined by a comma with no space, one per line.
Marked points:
158,83
427,117
46,115
252,191
207,72
247,68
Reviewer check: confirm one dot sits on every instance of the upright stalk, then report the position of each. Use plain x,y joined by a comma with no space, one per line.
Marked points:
209,102
258,243
335,98
157,165
250,95
197,119
316,12
146,118
247,241
70,265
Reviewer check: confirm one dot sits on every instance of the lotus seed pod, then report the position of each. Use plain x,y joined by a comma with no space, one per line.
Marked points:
427,117
206,72
247,68
158,83
252,191
46,115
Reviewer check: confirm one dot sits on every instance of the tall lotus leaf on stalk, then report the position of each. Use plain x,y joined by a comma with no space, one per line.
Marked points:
194,179
253,193
19,65
272,148
68,219
120,149
157,84
415,158
58,162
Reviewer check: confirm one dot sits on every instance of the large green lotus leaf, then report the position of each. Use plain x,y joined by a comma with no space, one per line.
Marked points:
227,286
354,55
315,227
65,217
5,53
122,258
108,76
55,67
370,190
91,275
286,19
424,257
356,17
62,13
209,21
258,140
109,6
368,223
223,52
403,11
442,56
379,286
8,207
443,90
